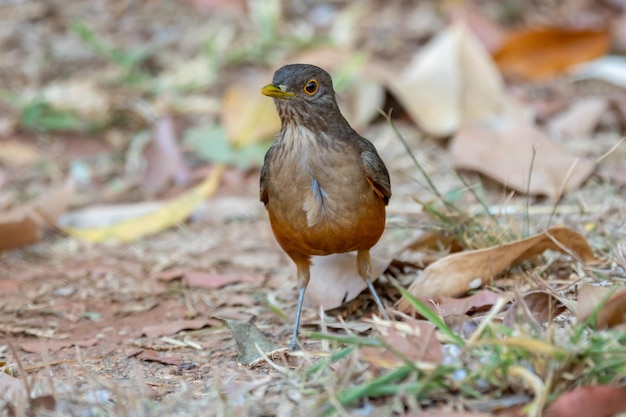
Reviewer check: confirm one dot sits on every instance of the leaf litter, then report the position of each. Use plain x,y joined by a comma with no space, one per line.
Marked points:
505,366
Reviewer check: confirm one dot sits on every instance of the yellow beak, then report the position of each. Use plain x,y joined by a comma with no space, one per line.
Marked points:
275,91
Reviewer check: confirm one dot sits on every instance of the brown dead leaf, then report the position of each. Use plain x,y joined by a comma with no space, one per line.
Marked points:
212,281
591,401
169,275
55,345
413,340
25,224
447,306
534,307
174,327
164,159
580,119
150,355
611,313
537,54
460,272
503,150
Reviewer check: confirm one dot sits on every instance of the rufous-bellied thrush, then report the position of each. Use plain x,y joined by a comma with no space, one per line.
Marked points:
324,186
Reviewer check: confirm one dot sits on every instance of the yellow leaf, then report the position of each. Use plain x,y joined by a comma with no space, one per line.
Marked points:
169,214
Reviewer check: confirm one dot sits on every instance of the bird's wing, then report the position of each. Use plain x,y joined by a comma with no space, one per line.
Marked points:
375,171
264,172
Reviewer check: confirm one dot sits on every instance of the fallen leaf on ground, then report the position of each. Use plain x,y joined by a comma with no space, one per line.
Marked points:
164,160
611,313
25,224
610,68
55,345
150,355
248,337
445,413
450,82
413,340
335,279
581,119
458,273
247,115
537,54
447,306
169,214
174,327
534,307
171,275
503,150
213,281
591,401
14,153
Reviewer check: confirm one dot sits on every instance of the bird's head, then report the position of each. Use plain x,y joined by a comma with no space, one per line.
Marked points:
302,93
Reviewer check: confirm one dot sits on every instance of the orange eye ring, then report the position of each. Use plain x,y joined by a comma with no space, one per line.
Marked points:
310,87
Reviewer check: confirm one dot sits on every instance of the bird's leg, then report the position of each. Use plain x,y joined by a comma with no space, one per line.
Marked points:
303,266
364,266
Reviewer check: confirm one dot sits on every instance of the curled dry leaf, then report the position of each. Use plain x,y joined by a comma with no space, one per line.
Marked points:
447,306
165,216
534,307
174,327
460,272
411,339
150,355
503,150
537,54
450,82
611,313
591,401
25,224
610,68
335,279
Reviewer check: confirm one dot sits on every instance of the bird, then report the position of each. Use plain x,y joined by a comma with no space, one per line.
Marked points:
324,186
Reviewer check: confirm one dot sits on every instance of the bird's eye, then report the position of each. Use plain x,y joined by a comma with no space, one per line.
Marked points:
310,87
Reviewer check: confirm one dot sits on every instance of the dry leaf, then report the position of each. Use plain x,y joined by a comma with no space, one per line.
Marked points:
458,273
164,160
150,355
591,401
214,281
581,119
15,153
24,225
335,280
415,340
447,306
450,82
247,115
82,96
611,313
249,341
503,150
54,345
167,215
537,54
534,307
174,327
